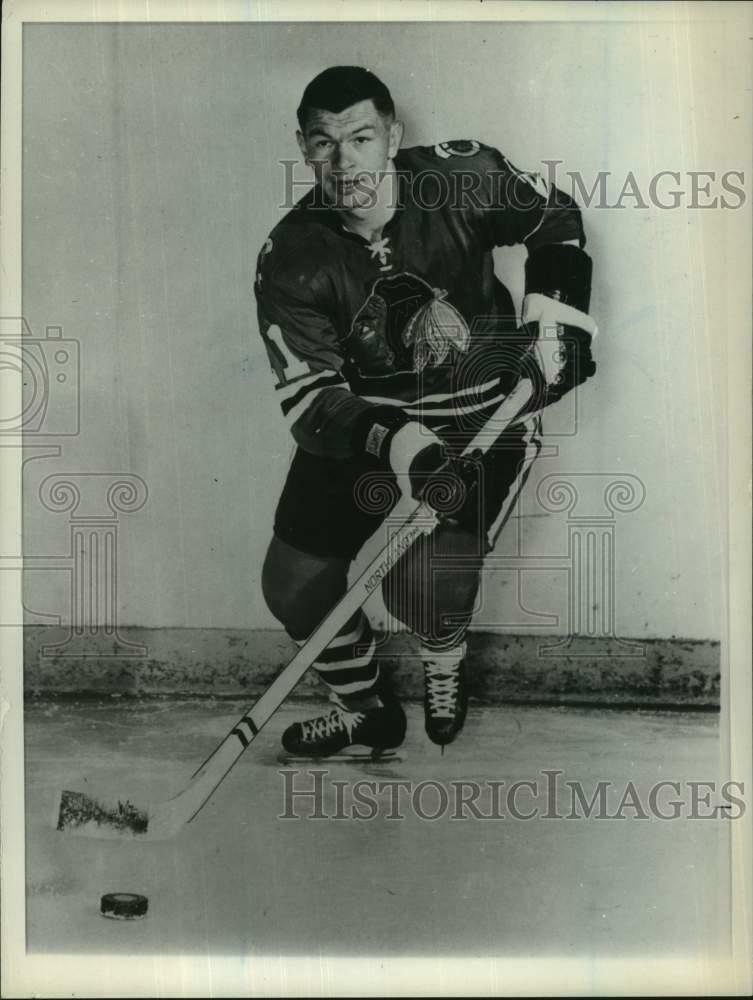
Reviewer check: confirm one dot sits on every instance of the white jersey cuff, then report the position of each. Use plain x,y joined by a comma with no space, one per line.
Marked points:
538,308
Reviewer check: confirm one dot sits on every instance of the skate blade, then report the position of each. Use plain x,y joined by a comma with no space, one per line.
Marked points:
350,755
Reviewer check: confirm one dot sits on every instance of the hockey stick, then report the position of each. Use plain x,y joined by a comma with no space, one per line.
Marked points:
79,813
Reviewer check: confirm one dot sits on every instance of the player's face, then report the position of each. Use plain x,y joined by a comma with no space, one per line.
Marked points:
349,152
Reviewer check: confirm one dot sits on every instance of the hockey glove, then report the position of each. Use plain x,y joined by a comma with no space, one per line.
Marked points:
420,461
558,293
426,470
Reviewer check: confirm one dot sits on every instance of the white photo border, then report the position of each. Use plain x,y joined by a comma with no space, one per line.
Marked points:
197,976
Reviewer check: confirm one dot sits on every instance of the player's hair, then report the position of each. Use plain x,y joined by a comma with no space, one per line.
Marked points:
338,87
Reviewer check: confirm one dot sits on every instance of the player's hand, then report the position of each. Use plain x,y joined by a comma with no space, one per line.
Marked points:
426,471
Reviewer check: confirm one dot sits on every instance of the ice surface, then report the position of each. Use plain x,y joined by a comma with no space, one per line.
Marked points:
240,879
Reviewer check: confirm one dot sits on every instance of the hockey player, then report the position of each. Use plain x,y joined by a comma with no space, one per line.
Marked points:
392,341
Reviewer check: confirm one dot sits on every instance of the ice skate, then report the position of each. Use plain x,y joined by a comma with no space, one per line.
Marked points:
445,699
343,734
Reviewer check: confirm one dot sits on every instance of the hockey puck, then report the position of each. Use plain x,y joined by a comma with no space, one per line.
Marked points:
123,906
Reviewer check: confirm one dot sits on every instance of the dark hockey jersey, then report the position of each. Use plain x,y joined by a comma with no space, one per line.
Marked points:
417,319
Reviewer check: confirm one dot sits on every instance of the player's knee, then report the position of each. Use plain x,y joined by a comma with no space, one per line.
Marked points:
455,542
300,589
434,587
456,574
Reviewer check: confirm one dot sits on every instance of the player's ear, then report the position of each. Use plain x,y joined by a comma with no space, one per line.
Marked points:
396,137
301,140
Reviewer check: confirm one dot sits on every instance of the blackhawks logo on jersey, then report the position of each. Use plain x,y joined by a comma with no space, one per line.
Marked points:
458,147
405,325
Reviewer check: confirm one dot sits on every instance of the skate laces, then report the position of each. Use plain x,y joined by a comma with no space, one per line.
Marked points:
329,725
441,688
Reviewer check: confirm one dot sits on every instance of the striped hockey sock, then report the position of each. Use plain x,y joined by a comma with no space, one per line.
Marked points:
347,665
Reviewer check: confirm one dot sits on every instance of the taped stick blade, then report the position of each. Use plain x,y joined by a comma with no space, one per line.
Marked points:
86,816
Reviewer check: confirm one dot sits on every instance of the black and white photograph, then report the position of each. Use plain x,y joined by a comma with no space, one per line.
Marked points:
375,388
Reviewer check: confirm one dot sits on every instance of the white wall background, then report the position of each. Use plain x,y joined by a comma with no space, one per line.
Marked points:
151,179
